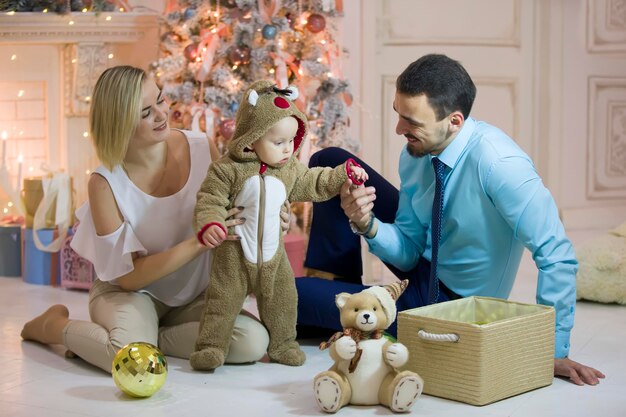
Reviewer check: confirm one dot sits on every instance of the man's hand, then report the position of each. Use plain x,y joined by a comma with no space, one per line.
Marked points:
578,373
357,203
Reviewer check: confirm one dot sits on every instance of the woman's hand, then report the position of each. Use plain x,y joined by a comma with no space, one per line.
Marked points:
232,220
285,217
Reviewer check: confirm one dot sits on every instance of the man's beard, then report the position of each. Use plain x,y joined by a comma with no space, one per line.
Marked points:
416,153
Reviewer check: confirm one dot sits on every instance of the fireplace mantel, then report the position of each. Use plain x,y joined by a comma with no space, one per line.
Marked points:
84,37
86,27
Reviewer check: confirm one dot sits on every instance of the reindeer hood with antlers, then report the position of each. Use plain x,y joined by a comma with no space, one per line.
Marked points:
262,106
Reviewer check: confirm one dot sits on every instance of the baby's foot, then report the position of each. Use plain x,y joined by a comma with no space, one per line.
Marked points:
292,355
43,329
207,359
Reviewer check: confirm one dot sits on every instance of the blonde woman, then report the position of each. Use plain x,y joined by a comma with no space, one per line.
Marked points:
136,229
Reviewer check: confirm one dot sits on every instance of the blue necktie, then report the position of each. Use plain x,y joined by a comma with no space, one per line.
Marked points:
435,229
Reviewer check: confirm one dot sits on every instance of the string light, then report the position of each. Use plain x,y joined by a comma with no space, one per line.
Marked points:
20,93
108,18
272,70
73,60
13,57
87,98
31,169
10,204
11,13
85,134
122,9
71,22
87,172
235,67
323,41
84,10
319,59
110,56
45,10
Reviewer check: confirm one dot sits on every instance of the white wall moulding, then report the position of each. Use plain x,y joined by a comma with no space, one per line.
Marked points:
606,26
83,63
445,22
390,143
606,141
497,101
603,217
74,27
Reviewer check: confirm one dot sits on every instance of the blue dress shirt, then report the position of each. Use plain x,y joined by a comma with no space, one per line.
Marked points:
495,204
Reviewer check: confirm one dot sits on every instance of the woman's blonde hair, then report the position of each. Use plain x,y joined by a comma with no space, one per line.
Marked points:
115,112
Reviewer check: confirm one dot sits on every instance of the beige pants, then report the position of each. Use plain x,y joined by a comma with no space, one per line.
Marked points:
120,317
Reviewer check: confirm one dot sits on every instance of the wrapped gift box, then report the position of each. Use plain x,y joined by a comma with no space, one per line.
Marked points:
503,348
39,267
295,246
32,194
76,271
10,251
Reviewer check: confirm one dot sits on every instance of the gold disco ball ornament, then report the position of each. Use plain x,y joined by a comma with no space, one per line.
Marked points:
139,369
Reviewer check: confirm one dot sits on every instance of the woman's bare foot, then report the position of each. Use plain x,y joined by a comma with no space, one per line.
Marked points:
48,327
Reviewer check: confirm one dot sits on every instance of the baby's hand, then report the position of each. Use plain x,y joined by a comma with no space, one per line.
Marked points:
213,236
358,173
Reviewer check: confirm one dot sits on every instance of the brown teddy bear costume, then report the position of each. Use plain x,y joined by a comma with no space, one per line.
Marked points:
258,262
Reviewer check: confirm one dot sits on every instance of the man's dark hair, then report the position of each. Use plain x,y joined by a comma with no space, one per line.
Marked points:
443,80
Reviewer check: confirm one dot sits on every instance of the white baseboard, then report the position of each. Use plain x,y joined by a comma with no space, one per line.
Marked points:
600,218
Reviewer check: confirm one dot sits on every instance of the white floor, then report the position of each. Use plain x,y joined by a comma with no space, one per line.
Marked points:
38,381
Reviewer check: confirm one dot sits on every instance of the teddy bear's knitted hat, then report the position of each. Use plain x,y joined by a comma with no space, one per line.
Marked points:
262,105
387,296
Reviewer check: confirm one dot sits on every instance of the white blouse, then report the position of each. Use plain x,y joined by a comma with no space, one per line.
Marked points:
151,225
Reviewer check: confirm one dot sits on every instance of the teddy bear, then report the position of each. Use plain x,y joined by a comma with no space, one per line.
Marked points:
602,273
366,365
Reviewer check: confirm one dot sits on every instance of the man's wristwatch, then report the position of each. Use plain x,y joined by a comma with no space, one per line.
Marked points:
368,229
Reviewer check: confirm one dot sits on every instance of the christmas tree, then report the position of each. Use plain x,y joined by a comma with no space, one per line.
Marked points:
211,50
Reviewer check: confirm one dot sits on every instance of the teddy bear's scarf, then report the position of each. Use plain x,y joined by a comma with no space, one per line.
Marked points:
356,335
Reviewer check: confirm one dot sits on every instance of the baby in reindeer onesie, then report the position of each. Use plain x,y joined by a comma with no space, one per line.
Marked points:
259,172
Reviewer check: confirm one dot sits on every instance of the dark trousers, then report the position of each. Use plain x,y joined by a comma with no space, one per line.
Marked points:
334,248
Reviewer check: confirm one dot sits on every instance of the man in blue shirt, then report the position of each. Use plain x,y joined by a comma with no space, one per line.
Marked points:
494,204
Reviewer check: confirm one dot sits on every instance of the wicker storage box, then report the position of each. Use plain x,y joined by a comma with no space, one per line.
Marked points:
504,348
